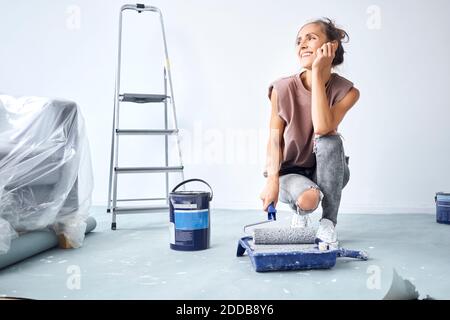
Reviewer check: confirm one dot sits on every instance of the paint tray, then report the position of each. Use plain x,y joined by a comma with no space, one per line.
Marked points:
292,257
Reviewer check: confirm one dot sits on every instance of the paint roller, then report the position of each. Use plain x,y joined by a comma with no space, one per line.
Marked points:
286,235
280,235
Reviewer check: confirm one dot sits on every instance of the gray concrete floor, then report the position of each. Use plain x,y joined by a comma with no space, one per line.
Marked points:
135,262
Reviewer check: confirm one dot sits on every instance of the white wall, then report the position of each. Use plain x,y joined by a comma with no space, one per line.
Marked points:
224,54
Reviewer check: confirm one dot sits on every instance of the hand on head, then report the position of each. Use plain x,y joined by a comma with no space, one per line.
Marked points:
325,55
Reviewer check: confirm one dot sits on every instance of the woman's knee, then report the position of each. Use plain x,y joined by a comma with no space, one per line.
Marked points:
309,200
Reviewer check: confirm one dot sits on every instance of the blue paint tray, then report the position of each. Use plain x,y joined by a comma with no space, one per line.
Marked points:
292,257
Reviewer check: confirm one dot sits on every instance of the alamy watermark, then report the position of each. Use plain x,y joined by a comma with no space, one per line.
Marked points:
228,146
374,17
374,279
73,282
73,17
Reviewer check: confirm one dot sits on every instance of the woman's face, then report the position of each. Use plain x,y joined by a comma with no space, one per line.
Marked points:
309,39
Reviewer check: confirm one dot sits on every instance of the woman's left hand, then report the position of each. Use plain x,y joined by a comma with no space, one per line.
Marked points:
324,57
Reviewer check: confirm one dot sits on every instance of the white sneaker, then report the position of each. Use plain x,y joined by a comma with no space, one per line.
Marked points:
327,233
300,221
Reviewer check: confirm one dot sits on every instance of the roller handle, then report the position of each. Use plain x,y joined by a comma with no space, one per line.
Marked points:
271,212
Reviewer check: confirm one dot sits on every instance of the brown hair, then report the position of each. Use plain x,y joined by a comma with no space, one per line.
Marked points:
334,33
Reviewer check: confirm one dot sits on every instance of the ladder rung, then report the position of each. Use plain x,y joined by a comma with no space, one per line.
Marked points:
140,209
147,169
142,98
145,132
141,199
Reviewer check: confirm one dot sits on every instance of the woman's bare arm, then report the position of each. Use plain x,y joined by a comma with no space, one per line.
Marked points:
326,119
274,154
274,145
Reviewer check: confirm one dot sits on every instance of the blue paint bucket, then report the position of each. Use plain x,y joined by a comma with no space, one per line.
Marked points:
442,200
190,218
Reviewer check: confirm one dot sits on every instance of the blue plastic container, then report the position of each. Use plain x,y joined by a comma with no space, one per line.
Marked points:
190,219
442,200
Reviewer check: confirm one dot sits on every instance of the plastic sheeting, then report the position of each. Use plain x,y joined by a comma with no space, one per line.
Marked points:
45,169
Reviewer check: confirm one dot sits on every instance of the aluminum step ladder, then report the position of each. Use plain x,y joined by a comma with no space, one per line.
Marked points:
165,99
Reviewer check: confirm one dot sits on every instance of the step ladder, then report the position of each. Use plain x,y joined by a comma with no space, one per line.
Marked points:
165,99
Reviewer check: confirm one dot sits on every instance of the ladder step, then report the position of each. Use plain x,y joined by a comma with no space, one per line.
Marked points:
145,132
141,209
142,98
147,169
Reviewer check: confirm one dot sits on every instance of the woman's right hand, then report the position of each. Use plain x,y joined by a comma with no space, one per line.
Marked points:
270,193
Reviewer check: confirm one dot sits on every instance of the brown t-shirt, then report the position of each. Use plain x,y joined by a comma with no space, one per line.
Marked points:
294,107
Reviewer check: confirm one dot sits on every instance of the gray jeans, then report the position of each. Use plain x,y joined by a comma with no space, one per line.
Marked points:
330,177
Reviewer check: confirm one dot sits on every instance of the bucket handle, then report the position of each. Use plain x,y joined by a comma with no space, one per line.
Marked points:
191,180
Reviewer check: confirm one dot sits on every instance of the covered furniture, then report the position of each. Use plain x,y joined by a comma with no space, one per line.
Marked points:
45,168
